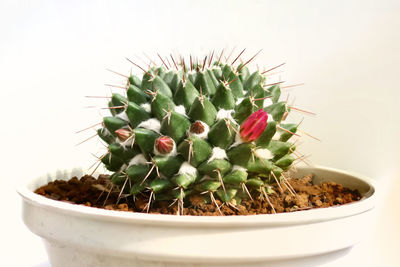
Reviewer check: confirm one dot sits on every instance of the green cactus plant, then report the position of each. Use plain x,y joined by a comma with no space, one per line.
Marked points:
214,131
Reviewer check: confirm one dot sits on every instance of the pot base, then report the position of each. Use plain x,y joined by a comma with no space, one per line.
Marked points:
64,256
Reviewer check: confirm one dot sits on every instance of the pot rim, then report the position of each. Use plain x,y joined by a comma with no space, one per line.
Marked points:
290,218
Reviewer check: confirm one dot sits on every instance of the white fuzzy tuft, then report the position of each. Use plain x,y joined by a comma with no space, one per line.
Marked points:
146,107
127,142
180,109
123,167
107,132
277,135
239,100
151,124
225,114
217,153
238,139
138,160
264,153
186,168
204,134
122,116
238,168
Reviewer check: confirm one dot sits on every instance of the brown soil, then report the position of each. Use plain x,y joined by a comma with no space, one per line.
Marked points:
93,192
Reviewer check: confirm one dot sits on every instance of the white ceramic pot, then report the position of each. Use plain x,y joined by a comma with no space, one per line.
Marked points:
81,236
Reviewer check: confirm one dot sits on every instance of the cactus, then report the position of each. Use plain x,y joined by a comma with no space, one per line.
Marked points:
209,131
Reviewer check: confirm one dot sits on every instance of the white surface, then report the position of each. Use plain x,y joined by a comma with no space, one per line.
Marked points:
54,52
84,236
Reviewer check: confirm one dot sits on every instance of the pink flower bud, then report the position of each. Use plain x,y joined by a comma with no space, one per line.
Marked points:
123,134
164,144
253,126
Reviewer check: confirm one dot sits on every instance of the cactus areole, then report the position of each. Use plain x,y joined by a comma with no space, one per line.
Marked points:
210,130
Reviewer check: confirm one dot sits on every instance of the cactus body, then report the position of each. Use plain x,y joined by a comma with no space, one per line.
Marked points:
198,130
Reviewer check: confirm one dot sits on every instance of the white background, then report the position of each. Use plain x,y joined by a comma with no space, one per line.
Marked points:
53,53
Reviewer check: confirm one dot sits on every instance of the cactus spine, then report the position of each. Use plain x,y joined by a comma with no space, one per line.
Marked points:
214,131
